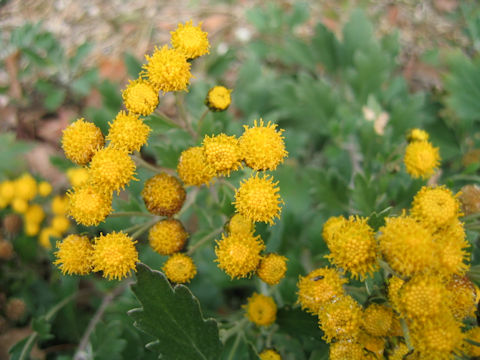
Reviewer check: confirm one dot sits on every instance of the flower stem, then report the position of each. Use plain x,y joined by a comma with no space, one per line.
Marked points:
157,169
183,115
130,213
203,240
144,228
200,121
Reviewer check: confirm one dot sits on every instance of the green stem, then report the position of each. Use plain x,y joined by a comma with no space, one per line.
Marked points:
200,121
144,228
130,213
132,228
167,119
190,201
235,345
406,334
238,326
157,169
465,177
203,240
227,184
183,115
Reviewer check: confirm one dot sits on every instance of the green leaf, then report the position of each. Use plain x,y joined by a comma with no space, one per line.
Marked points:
173,316
42,327
21,348
81,53
133,65
296,323
106,341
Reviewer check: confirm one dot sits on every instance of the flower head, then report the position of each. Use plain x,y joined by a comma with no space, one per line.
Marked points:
193,167
269,354
218,98
262,146
88,206
258,200
239,254
60,223
44,188
128,132
272,268
59,205
435,206
331,227
140,97
45,235
168,69
34,214
179,268
399,352
111,169
80,141
319,288
25,187
74,255
394,286
190,40
451,249
168,236
239,224
346,350
7,190
19,205
377,320
354,247
163,195
222,153
462,297
341,319
261,309
115,255
417,135
421,159
469,348
77,176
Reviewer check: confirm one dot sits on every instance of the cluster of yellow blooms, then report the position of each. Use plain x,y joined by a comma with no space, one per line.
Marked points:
425,254
24,196
421,158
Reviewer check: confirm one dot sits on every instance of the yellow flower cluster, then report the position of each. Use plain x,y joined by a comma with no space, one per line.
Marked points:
421,158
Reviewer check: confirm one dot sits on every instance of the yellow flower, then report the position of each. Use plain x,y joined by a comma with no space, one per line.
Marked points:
319,288
193,168
190,40
80,141
167,236
7,190
272,268
34,214
111,169
115,255
44,188
375,345
397,239
218,98
435,206
45,235
25,187
179,268
20,206
421,159
128,132
341,319
354,247
331,227
60,223
239,224
377,320
462,297
77,176
140,97
422,298
269,354
262,146
470,349
346,350
417,135
261,309
239,254
222,153
88,206
74,255
394,286
451,245
399,352
31,228
163,195
168,70
59,205
258,200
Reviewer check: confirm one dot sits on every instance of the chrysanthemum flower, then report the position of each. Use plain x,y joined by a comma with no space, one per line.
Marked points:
451,248
179,268
140,97
346,350
163,195
77,176
193,167
168,236
377,320
89,206
421,159
190,40
331,226
462,297
34,214
261,310
167,70
80,141
417,135
45,235
74,255
468,348
394,286
111,169
341,319
222,153
239,254
60,223
399,237
399,352
25,187
44,188
7,190
20,206
31,228
354,247
239,224
262,146
435,206
258,200
269,354
59,205
422,298
115,255
318,288
272,268
218,98
128,132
